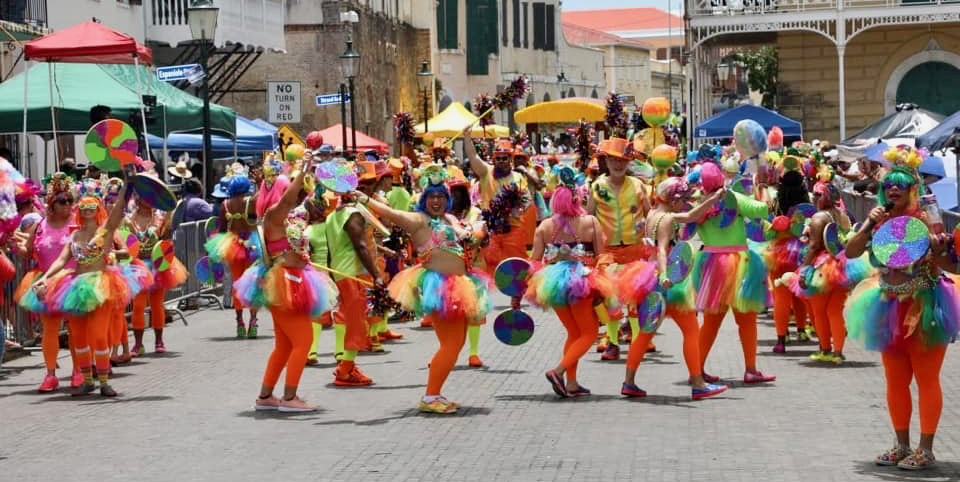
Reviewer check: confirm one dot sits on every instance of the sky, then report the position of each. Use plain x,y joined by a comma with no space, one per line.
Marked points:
677,5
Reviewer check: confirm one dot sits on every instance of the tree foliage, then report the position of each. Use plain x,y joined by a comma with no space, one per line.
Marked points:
762,67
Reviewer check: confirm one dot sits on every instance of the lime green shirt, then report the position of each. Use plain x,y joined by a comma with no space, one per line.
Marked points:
317,235
343,256
399,198
711,234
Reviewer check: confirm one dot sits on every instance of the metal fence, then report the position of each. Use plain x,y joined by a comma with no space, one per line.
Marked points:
188,240
860,205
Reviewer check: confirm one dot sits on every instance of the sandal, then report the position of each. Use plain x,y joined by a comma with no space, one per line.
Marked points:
557,383
252,329
920,459
893,456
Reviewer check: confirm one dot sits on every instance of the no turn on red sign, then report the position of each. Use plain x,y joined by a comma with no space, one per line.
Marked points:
283,102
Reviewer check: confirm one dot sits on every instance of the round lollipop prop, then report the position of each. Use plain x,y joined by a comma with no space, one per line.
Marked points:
799,214
728,210
511,276
210,227
162,255
750,138
831,239
203,271
663,156
153,192
111,144
336,177
900,242
687,231
650,312
655,111
513,327
294,152
679,262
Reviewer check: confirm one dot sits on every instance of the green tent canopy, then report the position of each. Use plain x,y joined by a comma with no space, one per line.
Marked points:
78,87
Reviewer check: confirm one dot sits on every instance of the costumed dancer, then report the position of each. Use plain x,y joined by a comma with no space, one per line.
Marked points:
237,245
44,243
444,287
569,242
118,334
504,194
293,291
90,291
782,256
150,227
824,279
639,279
620,203
318,207
726,275
469,216
909,315
387,258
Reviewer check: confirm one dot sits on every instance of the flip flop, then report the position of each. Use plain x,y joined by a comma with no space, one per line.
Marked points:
557,383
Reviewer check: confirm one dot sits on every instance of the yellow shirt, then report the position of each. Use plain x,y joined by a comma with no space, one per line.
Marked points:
491,186
621,214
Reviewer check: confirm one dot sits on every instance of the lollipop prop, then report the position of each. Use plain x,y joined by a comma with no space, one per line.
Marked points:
336,177
162,255
900,242
679,262
111,144
511,276
750,138
650,313
799,214
153,192
505,98
831,239
513,327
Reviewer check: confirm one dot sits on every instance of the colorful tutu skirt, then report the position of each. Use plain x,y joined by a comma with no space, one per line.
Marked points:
169,278
735,279
303,290
883,320
424,292
634,281
567,282
26,297
237,251
75,293
783,255
827,273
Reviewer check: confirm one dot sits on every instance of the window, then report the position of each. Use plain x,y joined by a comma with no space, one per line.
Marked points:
481,35
661,54
526,23
516,23
503,26
539,36
550,29
447,24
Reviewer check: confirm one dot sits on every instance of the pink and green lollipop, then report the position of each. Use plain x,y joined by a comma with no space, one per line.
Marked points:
900,242
111,144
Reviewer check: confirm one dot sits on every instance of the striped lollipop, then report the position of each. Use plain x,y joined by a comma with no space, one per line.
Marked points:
513,327
749,137
336,177
511,276
202,270
799,214
650,312
831,239
679,262
162,255
900,242
111,144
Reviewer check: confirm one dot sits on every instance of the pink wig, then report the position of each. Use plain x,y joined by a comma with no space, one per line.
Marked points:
564,202
831,194
269,196
711,178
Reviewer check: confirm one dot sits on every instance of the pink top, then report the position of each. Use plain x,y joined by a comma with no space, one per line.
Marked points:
49,243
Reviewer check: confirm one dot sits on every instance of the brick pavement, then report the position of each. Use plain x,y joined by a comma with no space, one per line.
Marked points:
188,416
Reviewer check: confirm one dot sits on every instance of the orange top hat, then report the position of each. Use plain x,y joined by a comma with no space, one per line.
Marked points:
615,147
381,168
504,146
366,171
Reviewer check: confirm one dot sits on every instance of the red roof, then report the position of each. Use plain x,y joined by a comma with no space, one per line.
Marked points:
576,34
620,19
332,135
87,42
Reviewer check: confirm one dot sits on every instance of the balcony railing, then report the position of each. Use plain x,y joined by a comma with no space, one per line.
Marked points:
28,12
764,7
257,23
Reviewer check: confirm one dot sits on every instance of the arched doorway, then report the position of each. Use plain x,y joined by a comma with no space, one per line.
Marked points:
932,86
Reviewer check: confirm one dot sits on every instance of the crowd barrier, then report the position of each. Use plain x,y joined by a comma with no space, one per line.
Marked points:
188,241
860,205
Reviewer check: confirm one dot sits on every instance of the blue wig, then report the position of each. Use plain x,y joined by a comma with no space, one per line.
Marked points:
238,186
439,188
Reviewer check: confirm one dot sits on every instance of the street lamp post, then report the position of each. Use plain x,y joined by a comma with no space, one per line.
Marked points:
202,18
424,81
350,65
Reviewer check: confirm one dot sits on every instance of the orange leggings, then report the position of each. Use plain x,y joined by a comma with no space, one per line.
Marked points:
747,324
117,334
580,320
50,340
451,332
291,344
157,312
502,246
828,319
689,327
914,360
351,312
783,302
91,330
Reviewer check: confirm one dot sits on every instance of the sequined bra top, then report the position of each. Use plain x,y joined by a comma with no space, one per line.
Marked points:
89,252
567,251
148,238
238,216
444,237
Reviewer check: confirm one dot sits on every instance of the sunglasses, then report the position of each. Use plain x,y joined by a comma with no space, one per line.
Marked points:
66,202
903,186
87,207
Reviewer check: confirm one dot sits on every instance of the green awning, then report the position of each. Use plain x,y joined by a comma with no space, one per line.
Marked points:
19,32
78,87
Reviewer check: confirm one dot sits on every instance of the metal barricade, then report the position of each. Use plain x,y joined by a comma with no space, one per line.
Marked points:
858,204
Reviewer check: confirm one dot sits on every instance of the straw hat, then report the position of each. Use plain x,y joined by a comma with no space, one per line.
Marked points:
180,170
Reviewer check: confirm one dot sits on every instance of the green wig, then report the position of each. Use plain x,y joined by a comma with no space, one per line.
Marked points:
901,174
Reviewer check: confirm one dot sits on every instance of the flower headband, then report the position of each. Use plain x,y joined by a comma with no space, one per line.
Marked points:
56,184
433,174
906,156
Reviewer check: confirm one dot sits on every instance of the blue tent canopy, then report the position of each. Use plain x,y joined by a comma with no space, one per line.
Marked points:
938,137
721,125
251,137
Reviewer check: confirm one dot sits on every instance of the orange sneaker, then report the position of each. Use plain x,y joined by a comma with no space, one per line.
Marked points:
426,323
353,378
390,335
475,361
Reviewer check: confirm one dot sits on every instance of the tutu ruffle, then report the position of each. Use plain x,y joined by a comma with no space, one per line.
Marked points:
425,291
171,277
78,294
737,280
26,297
783,255
635,281
567,282
885,321
291,289
138,276
827,273
236,251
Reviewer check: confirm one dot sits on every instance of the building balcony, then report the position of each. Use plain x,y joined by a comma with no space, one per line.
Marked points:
711,8
27,12
253,23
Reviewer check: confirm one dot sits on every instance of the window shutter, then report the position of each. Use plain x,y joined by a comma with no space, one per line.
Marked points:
549,29
516,23
526,25
504,25
492,18
539,36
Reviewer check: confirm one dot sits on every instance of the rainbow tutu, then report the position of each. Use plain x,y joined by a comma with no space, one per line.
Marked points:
635,281
81,293
783,254
827,273
236,251
882,320
291,289
567,282
26,297
736,280
425,291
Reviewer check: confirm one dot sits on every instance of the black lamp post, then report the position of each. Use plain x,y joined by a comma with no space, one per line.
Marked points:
350,65
202,18
424,81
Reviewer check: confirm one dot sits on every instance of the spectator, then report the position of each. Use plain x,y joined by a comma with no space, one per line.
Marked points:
192,207
99,113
